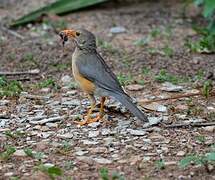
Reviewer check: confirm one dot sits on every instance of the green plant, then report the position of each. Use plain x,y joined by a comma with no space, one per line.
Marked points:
168,51
160,164
199,75
51,171
155,32
66,146
58,7
29,152
68,165
117,176
105,45
9,88
145,70
61,67
8,153
37,155
14,178
48,83
15,134
206,43
202,160
200,139
125,79
104,174
207,87
143,41
163,76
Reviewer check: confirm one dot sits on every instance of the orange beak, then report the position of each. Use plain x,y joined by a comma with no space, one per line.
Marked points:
65,34
68,33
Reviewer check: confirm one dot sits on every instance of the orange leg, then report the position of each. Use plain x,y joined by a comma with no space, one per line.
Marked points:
101,112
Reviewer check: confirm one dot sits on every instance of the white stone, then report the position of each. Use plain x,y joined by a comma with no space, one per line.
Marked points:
180,153
66,79
93,134
102,161
136,132
117,29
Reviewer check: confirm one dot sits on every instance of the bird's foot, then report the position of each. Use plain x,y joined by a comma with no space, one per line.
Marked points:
89,120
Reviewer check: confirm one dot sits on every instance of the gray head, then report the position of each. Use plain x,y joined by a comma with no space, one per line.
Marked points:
82,38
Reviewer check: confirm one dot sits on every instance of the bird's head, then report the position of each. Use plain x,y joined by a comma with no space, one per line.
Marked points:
82,38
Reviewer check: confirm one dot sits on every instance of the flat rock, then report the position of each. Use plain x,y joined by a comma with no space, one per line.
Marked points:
85,159
65,136
134,87
66,79
51,119
102,161
154,106
154,120
169,87
209,128
106,132
87,142
94,124
117,29
180,153
136,132
72,102
81,153
93,134
4,102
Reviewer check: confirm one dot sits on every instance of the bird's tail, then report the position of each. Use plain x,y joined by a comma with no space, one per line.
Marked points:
126,101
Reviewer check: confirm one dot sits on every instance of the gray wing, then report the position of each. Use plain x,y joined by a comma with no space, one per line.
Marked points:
93,67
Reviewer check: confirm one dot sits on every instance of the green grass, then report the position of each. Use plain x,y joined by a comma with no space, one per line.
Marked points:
105,175
9,88
51,171
61,67
15,135
143,41
155,32
199,159
163,76
168,51
37,155
160,164
47,83
207,87
125,79
146,71
7,154
105,45
201,139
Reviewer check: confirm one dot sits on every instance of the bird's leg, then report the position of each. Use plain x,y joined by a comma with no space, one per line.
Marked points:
88,118
101,110
93,104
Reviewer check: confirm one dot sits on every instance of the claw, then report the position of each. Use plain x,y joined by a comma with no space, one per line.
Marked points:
89,120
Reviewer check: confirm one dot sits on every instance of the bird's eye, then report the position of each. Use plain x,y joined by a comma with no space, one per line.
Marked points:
78,33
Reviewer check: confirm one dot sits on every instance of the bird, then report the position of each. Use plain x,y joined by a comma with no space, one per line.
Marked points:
94,76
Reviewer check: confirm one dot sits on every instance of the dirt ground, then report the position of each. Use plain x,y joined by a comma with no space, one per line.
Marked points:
120,144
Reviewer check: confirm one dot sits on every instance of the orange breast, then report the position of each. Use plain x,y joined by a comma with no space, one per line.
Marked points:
86,85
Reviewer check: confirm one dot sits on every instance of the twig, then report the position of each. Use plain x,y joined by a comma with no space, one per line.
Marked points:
31,72
12,33
212,93
37,97
190,124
